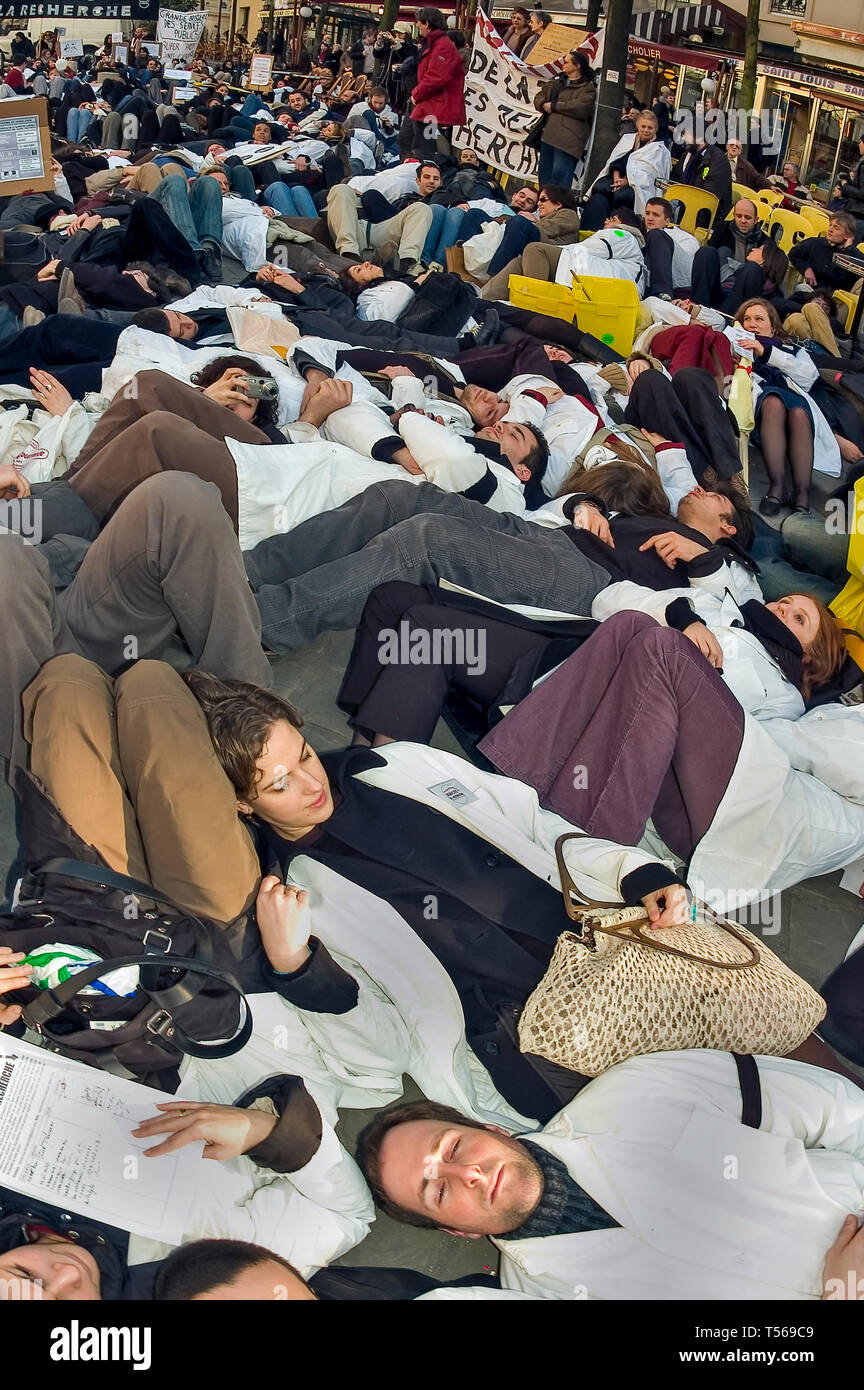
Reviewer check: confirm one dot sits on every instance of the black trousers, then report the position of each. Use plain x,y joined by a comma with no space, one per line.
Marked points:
468,652
687,410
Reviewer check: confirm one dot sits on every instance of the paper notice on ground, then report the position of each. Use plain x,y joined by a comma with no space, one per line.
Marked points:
65,1138
20,148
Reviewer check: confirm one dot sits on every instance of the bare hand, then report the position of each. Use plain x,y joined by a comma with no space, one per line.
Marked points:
282,913
810,276
13,975
49,392
636,368
49,271
703,638
671,547
406,460
226,1130
750,345
301,163
547,107
843,1275
228,390
587,518
323,400
393,372
674,907
12,483
686,304
270,212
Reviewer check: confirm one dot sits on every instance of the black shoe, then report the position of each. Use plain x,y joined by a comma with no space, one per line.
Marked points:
771,506
210,261
489,329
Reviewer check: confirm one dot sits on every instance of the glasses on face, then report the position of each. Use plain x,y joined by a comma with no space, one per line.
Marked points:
542,198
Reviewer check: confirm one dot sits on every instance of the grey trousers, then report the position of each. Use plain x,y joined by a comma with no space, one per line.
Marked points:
319,575
166,567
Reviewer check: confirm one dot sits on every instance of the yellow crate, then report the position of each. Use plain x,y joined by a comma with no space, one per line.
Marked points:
603,307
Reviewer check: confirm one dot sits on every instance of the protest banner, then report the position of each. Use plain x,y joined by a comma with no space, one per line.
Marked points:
80,9
499,101
179,32
499,96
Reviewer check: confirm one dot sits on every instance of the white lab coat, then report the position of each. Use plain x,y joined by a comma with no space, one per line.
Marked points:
793,807
708,1209
613,254
644,166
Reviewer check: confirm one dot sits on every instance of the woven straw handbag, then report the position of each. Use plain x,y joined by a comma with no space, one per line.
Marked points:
620,988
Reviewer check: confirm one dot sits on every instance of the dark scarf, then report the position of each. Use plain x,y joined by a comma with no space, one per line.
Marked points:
776,638
565,1208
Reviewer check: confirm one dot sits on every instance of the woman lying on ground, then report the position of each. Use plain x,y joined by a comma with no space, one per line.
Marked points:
636,726
491,656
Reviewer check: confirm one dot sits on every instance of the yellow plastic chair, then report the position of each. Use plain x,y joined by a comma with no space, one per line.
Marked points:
739,191
771,197
818,219
601,306
787,228
849,299
696,201
848,606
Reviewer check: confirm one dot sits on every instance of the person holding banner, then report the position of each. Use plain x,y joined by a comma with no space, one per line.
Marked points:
568,103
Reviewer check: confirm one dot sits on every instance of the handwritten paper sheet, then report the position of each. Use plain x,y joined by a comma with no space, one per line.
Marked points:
65,1138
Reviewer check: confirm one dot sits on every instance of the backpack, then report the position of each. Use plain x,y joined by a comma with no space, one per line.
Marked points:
188,1000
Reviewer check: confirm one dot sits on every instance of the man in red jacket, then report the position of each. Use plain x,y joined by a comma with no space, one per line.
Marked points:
438,99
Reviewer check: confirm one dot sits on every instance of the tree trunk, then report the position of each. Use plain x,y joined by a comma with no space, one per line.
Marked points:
389,17
751,53
319,30
592,19
610,95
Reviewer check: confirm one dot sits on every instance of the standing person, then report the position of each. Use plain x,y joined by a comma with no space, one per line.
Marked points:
538,21
517,32
438,97
568,103
852,190
664,111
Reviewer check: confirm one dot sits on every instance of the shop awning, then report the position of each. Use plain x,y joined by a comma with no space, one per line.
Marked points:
667,53
686,19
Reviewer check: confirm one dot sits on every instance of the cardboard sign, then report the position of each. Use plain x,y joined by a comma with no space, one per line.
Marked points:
154,49
25,147
71,48
121,53
117,38
554,42
261,70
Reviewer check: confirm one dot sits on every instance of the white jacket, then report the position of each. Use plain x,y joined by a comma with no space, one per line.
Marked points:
708,1209
793,806
612,254
644,166
368,936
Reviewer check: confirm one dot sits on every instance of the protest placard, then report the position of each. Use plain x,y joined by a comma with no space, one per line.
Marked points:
179,32
25,147
261,70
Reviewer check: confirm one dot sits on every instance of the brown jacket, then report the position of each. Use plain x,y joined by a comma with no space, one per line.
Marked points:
568,125
560,228
747,175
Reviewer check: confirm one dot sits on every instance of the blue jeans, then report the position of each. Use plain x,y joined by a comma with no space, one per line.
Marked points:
445,231
294,201
77,121
517,234
556,166
241,181
196,212
10,324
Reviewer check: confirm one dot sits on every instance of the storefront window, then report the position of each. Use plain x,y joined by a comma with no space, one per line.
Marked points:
826,138
794,7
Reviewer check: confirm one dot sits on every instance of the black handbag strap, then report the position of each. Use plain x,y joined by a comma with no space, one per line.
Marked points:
751,1089
51,1002
104,877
